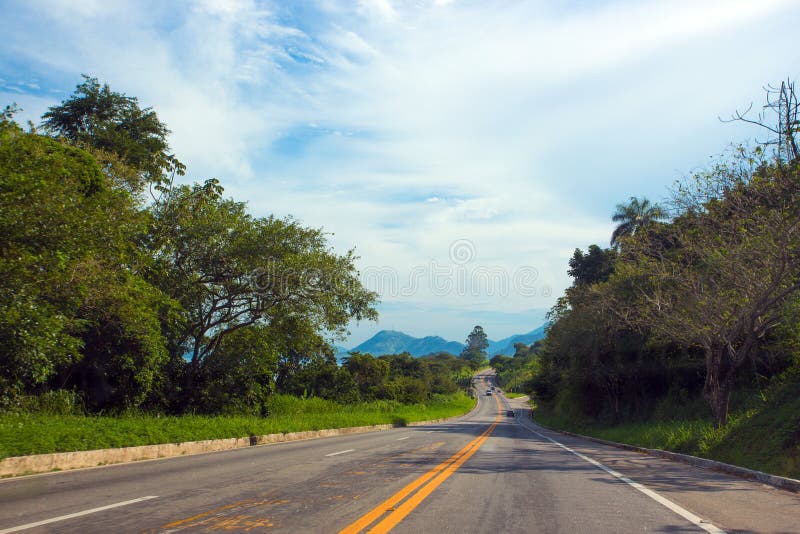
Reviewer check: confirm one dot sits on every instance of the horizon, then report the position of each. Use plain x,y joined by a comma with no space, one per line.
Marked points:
434,335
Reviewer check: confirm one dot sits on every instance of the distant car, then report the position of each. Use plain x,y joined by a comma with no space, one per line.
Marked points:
510,413
489,392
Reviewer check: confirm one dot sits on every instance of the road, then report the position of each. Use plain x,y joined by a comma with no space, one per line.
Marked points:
485,472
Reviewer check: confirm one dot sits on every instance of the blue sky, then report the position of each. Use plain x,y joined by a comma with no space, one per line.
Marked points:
464,148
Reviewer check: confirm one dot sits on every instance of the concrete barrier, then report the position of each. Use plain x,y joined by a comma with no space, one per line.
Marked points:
62,461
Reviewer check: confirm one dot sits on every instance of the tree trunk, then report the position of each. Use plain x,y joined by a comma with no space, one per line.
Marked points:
718,384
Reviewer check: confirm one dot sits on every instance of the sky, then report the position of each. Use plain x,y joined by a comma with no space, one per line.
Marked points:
463,148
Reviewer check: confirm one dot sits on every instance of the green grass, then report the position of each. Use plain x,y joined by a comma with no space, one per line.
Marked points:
515,395
23,434
764,434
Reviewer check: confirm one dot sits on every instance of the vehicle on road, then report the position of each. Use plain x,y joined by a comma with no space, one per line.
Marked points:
488,391
510,413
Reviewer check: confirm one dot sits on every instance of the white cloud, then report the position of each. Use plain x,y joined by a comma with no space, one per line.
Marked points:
380,8
404,126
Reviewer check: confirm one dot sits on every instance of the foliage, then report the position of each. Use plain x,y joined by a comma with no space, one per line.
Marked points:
634,216
702,306
720,276
39,433
238,377
593,267
761,433
98,117
475,348
104,295
230,270
71,301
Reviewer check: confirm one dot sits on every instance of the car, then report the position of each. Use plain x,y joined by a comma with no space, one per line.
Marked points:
510,413
488,391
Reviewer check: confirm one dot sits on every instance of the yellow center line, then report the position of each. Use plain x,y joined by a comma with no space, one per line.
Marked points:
432,478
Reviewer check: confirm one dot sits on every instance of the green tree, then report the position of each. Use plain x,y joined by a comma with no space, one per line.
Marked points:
475,347
593,267
634,216
369,373
239,376
71,298
732,266
95,116
230,270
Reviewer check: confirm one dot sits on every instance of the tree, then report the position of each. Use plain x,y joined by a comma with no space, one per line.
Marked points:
475,347
369,373
72,302
230,270
782,101
732,266
634,216
500,362
593,267
239,376
95,116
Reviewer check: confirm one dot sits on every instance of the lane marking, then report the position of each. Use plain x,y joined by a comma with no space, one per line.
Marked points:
332,454
400,513
389,504
401,439
683,512
76,514
432,478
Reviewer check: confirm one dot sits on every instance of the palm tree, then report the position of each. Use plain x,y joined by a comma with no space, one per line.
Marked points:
634,216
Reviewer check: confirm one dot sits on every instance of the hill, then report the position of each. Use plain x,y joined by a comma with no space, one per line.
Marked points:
394,342
506,346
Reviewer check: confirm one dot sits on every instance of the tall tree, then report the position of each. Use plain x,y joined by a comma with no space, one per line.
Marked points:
230,270
475,347
783,103
595,266
73,310
634,216
98,117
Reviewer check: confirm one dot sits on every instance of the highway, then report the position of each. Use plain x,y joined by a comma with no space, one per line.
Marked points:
485,472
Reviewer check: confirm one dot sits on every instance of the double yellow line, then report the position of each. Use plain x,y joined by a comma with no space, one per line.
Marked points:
427,482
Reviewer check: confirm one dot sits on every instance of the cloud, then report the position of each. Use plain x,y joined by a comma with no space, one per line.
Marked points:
402,127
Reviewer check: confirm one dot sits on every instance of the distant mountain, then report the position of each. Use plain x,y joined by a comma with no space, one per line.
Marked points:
393,342
506,346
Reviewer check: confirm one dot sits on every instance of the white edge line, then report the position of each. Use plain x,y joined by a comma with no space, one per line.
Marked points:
76,514
331,454
686,514
401,439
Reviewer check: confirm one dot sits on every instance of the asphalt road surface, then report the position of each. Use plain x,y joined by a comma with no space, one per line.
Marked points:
485,472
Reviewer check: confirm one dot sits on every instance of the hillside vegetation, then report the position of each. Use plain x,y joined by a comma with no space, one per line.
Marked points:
46,432
683,334
129,290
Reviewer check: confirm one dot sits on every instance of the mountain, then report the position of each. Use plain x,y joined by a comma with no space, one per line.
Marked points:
506,346
393,342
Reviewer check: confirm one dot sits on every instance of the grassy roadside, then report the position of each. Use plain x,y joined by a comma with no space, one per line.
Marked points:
515,395
764,435
23,434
